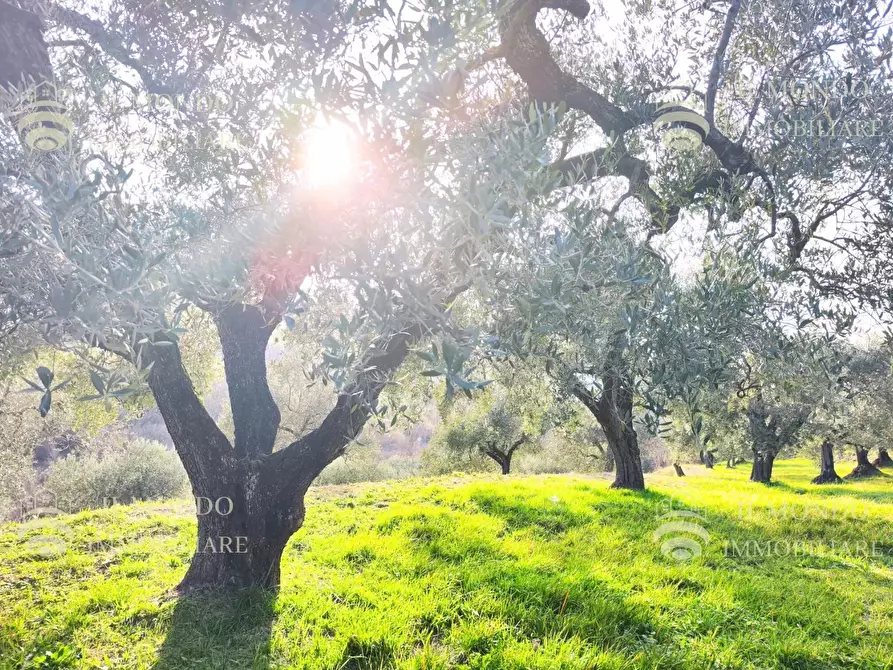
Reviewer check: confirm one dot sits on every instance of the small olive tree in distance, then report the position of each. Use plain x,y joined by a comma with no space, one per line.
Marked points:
512,413
864,398
491,431
834,392
790,397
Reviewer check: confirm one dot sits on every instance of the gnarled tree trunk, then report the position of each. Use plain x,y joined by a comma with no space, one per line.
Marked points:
864,468
762,467
504,461
504,457
883,459
614,412
249,500
828,475
243,531
627,459
771,430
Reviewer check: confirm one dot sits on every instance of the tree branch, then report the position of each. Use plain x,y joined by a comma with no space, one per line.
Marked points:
110,43
718,56
302,461
197,438
516,444
244,331
583,394
527,52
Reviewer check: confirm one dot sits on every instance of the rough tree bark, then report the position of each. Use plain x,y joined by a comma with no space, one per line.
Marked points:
23,52
609,461
763,438
762,467
613,410
864,468
828,475
883,459
249,500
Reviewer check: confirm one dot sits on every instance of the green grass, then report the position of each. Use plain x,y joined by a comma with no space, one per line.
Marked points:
481,572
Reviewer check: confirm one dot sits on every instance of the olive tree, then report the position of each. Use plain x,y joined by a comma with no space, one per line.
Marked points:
846,389
179,186
867,388
491,431
616,209
512,413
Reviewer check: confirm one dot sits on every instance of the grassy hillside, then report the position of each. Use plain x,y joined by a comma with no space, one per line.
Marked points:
482,572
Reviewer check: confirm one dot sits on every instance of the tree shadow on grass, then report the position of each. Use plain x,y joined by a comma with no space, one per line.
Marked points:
844,490
527,601
544,601
219,632
501,599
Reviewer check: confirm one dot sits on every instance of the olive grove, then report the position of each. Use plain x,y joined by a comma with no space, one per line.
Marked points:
515,196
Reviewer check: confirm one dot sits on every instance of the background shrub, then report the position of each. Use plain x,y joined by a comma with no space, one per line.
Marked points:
364,463
145,470
559,453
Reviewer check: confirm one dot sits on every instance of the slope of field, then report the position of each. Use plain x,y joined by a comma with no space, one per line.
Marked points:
554,572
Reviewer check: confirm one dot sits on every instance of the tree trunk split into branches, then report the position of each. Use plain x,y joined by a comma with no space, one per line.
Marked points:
828,475
249,500
504,457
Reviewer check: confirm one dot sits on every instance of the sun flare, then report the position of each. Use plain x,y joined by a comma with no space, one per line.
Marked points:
329,155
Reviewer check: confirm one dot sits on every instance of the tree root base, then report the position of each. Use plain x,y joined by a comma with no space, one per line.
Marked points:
883,461
864,471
